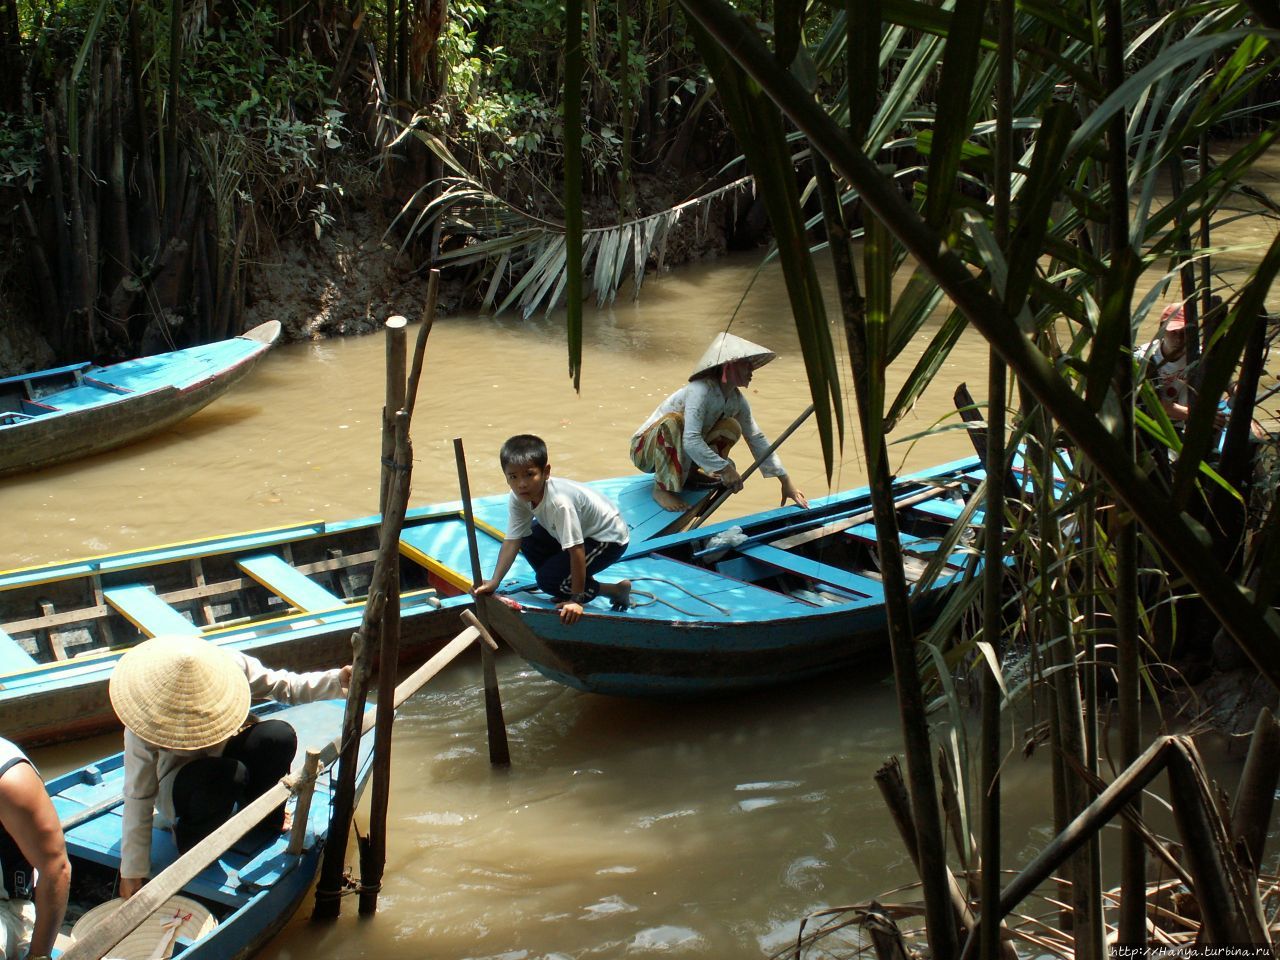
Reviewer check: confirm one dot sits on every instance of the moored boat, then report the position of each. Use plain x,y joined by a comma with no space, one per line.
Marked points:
228,895
250,891
52,416
764,599
290,596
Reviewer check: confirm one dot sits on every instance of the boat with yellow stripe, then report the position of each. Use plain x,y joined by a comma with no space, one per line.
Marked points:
291,596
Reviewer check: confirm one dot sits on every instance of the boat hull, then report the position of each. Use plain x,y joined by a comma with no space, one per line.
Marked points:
64,435
762,600
612,657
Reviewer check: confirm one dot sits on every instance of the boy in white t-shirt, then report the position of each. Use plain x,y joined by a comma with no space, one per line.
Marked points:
566,531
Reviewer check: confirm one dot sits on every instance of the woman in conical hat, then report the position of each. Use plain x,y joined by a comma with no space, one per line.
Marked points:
696,426
189,752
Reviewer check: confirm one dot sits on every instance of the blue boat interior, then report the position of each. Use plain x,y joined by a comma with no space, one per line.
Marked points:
789,562
90,801
82,386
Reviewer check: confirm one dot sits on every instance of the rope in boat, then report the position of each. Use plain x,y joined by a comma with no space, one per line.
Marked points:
670,583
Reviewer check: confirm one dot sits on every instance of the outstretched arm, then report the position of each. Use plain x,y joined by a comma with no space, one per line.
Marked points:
28,815
506,557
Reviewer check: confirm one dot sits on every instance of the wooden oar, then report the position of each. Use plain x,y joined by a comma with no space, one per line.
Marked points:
188,866
696,515
714,498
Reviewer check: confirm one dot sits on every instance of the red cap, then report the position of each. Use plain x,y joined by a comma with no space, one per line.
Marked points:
1173,318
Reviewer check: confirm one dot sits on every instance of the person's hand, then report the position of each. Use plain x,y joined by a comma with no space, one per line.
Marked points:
344,677
570,612
487,587
131,885
791,492
730,478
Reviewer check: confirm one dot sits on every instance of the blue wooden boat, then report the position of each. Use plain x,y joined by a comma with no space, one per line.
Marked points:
765,599
53,416
291,596
251,889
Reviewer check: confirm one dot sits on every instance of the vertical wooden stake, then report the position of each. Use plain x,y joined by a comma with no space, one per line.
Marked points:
374,857
329,886
499,754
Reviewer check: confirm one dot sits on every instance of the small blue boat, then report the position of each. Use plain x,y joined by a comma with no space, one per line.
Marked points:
251,890
291,596
53,416
765,599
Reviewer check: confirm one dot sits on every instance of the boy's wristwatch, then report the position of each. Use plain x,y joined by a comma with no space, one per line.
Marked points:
581,599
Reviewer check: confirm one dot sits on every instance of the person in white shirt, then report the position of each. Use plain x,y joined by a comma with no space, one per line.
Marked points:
566,531
35,874
191,749
700,422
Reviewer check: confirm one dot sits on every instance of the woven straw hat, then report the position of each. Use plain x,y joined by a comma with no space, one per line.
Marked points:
726,348
176,917
180,693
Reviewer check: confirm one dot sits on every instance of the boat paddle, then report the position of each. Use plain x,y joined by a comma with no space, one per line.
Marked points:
134,911
697,514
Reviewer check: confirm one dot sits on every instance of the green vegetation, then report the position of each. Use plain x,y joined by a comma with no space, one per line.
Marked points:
1008,154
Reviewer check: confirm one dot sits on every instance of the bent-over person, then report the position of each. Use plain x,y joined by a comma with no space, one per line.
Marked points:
192,751
696,426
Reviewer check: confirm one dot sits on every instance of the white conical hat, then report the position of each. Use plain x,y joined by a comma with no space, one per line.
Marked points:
180,693
726,348
177,917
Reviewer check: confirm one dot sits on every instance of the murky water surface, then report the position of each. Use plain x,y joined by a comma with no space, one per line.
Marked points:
622,828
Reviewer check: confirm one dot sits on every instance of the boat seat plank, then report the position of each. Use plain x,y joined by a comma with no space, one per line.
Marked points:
148,612
681,589
12,655
913,546
948,510
823,572
441,547
280,578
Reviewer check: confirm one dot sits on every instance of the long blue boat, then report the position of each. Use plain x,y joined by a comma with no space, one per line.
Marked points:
291,596
252,891
765,599
52,416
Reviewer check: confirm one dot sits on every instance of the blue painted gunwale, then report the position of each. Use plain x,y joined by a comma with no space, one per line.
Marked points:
760,636
43,423
253,893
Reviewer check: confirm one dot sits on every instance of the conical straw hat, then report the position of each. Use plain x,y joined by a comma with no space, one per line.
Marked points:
180,693
726,348
176,917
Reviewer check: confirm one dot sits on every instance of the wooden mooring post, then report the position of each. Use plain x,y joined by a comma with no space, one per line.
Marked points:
381,619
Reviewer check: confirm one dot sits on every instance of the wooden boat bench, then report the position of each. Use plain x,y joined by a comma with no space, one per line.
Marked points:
295,588
913,546
814,570
947,511
13,658
148,612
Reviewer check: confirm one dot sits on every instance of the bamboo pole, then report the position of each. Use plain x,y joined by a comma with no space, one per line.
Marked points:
499,753
329,887
373,847
993,533
1229,907
931,846
1256,794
